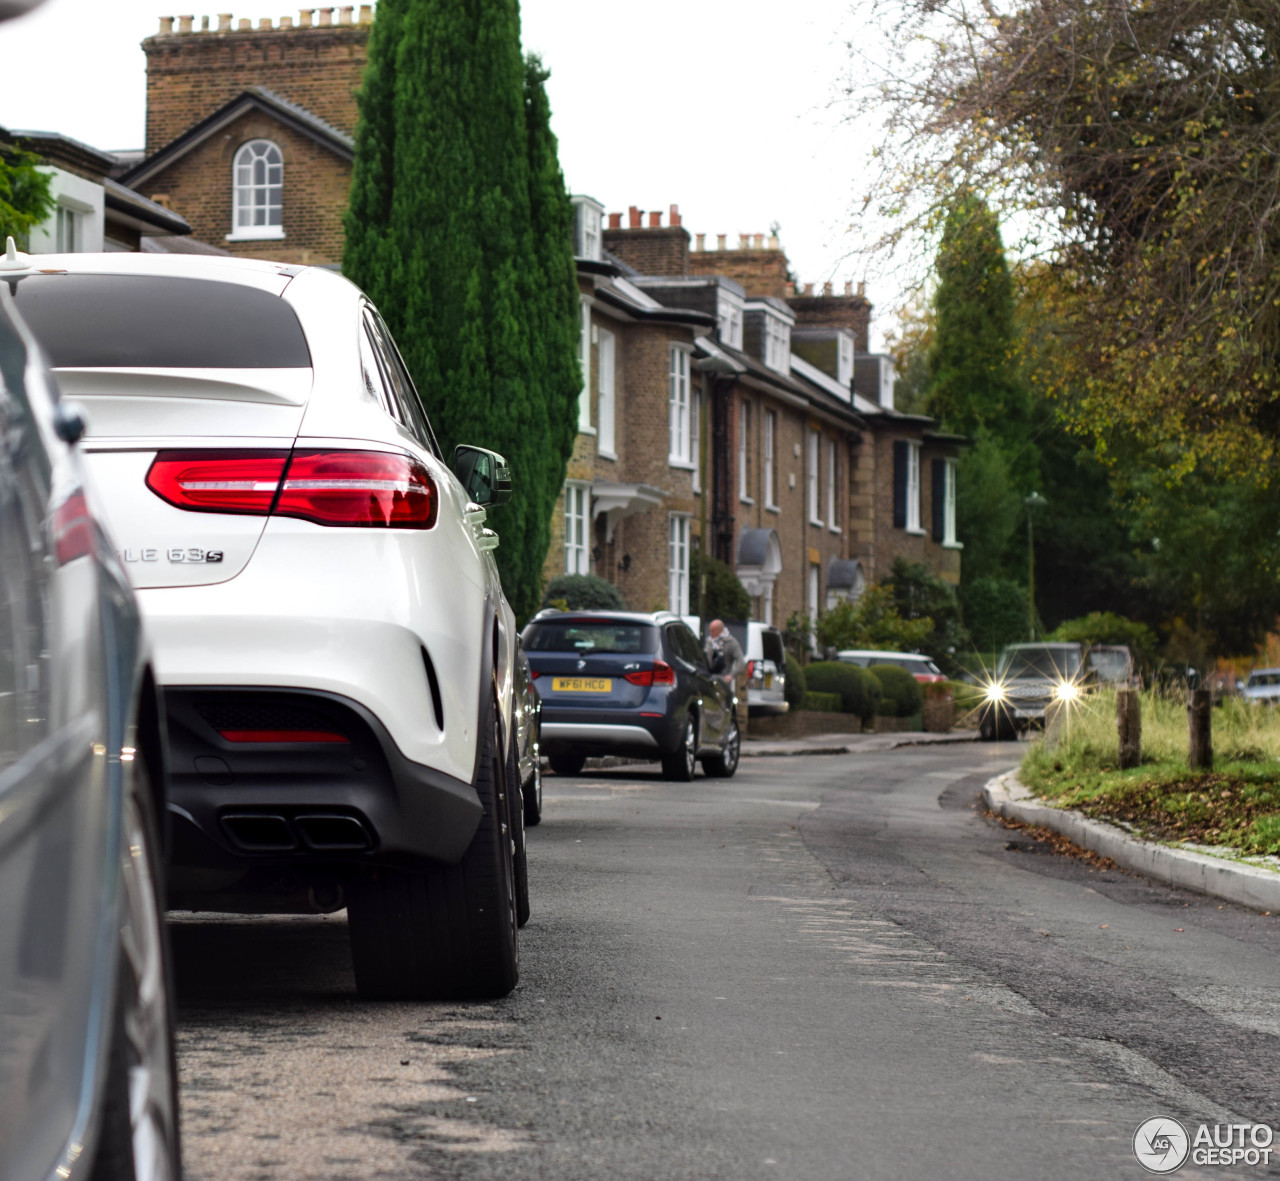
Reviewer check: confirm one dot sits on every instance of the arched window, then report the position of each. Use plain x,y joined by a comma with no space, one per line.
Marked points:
258,191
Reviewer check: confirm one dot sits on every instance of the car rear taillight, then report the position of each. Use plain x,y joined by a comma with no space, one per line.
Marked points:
365,489
218,481
660,674
283,736
71,528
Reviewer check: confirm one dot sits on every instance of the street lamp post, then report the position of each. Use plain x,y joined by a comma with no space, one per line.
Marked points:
1035,500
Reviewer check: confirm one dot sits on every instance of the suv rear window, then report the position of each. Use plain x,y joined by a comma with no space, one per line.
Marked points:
589,636
771,647
160,322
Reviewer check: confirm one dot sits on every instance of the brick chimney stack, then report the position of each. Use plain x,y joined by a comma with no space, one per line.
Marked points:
652,249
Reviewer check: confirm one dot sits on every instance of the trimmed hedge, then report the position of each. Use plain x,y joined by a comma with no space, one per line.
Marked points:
583,592
859,691
796,686
828,702
901,695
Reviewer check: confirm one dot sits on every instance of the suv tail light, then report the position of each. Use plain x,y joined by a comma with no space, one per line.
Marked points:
660,674
368,489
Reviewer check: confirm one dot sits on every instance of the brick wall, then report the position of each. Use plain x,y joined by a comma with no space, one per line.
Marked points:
190,75
892,542
852,312
198,186
762,271
651,250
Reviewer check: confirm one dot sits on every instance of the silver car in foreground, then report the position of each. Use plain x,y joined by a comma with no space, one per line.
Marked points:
86,1045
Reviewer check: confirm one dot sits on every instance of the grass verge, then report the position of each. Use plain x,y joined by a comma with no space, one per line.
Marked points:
1237,804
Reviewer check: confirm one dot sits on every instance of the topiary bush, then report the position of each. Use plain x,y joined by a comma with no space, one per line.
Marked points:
583,592
901,695
859,690
828,702
796,687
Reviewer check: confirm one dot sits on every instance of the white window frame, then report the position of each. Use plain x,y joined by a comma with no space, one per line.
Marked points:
913,487
680,437
247,228
815,460
606,385
815,602
729,314
833,486
587,228
577,528
771,460
584,359
744,453
777,344
68,232
949,539
678,563
844,361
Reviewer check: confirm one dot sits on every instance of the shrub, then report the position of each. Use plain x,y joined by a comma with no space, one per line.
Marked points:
796,687
725,596
583,592
830,702
1105,627
901,695
871,621
859,690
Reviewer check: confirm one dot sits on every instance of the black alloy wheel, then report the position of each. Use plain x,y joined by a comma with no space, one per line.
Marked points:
725,763
680,764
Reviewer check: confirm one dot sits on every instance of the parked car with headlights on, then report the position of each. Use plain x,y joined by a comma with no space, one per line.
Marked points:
622,683
86,1037
319,585
1028,677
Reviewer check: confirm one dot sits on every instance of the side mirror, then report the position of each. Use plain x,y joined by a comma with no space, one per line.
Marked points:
484,474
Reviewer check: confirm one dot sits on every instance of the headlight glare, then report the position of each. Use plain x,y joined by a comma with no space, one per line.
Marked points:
1067,691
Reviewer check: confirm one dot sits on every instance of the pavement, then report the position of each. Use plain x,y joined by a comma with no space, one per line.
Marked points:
1218,874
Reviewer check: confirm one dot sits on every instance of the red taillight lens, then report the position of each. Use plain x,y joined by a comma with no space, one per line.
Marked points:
72,529
660,674
218,481
359,488
283,736
353,488
534,674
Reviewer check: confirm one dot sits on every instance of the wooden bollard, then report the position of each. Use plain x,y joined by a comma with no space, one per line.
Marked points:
1055,719
1129,727
1200,730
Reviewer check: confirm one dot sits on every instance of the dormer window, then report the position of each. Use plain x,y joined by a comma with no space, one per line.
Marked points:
777,344
257,197
588,215
729,313
844,359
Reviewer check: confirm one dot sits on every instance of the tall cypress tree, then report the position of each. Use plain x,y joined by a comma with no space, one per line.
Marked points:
454,230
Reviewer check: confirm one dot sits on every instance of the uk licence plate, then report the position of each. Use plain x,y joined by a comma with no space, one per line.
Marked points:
582,684
768,680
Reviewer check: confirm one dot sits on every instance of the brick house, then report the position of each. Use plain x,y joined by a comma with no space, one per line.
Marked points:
250,130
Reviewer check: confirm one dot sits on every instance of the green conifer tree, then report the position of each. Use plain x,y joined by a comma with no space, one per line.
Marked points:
452,229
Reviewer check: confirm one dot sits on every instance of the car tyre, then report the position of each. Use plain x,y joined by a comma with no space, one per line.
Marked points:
531,790
519,852
138,1138
680,764
725,763
568,762
444,932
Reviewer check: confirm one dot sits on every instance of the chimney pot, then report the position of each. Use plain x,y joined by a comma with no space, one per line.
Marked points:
808,289
286,22
204,24
758,239
615,221
224,22
862,290
185,23
326,17
744,241
344,14
848,288
633,218
720,241
366,14
774,244
655,220
245,24
264,23
304,18
166,25
826,289
701,242
674,219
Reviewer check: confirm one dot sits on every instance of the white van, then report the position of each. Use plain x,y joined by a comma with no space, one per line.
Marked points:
766,662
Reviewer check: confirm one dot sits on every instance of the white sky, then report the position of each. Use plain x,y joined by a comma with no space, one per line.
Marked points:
730,109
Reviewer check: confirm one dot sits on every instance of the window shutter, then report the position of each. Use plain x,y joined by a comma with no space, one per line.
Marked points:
899,484
939,493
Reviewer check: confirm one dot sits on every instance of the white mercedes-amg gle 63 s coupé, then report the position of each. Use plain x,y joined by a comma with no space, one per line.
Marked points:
326,615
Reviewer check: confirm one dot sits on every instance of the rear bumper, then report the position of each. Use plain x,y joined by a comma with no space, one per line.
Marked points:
237,805
620,732
586,733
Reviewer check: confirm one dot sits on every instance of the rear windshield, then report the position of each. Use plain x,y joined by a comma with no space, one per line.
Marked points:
771,647
1049,663
1256,679
591,636
160,322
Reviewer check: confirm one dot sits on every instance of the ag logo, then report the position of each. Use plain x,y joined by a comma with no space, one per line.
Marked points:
1161,1145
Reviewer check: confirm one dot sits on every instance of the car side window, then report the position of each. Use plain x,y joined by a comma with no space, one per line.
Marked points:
411,410
687,646
375,382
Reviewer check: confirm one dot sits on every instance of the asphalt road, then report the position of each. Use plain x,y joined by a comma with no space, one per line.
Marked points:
825,968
